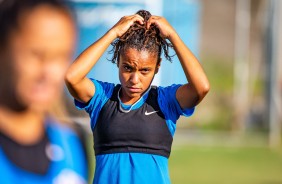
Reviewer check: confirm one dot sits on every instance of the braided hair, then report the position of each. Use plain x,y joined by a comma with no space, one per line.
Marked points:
140,38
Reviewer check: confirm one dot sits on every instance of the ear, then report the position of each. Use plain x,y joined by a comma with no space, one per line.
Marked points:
158,65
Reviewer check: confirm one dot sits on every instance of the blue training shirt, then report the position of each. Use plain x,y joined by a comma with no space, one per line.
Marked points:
67,161
133,168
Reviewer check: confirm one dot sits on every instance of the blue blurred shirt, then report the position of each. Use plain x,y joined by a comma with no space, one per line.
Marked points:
68,163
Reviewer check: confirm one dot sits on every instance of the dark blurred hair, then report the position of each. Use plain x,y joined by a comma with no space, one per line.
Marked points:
11,11
10,14
140,38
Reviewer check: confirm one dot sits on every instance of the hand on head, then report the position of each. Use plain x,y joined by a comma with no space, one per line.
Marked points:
125,23
146,20
166,30
142,31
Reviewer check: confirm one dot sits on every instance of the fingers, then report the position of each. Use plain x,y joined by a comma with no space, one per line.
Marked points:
125,22
153,20
134,18
166,30
138,18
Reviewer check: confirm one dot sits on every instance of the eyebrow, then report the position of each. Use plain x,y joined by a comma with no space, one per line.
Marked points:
126,63
148,68
133,67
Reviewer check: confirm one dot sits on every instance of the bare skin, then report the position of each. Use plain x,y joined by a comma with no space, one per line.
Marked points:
132,63
41,50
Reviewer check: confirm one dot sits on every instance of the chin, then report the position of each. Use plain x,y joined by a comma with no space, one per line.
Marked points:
134,95
41,103
40,106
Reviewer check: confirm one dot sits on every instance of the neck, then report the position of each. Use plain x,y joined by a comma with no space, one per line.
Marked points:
25,127
130,100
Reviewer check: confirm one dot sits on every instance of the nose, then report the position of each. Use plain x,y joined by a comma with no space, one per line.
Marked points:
52,69
134,78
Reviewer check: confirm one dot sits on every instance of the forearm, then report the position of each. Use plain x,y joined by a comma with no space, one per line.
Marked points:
88,58
190,64
78,84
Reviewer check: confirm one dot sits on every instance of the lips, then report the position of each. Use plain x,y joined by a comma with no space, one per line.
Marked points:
134,89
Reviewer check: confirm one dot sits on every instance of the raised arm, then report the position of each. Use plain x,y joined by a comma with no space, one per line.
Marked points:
190,94
80,87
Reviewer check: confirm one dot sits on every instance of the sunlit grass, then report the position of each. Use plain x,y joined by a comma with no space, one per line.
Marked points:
204,165
221,165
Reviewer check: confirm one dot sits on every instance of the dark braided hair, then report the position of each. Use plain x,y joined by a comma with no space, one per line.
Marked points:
140,38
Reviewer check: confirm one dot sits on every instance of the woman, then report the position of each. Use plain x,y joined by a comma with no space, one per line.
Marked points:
133,123
37,39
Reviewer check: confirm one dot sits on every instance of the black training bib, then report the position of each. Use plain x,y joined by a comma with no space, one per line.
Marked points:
143,130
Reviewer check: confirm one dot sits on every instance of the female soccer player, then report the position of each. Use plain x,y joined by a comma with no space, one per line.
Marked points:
133,123
37,39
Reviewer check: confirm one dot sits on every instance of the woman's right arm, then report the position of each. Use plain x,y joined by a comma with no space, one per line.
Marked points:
81,87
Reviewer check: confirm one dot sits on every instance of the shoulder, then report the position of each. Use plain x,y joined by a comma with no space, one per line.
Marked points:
169,104
55,127
167,93
103,91
101,86
171,89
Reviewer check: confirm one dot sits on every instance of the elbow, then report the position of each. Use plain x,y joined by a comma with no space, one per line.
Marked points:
69,78
204,90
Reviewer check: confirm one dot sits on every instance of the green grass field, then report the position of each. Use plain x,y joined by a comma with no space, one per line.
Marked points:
222,165
203,165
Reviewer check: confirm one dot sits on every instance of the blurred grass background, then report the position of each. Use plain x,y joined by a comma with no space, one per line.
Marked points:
218,159
225,165
202,164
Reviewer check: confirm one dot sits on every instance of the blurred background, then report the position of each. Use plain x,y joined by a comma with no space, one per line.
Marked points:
234,135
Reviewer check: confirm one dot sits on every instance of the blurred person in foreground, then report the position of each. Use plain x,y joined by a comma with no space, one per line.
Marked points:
37,40
133,123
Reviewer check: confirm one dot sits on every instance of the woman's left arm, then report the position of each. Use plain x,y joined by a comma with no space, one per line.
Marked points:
190,94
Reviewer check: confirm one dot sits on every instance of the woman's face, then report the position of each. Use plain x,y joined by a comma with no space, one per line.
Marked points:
41,50
136,72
